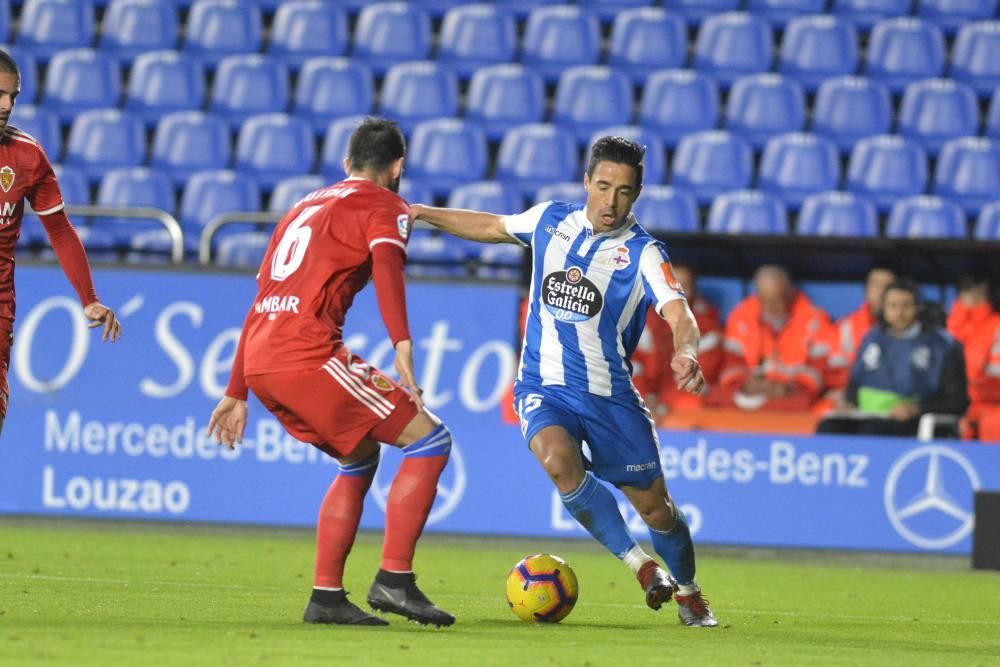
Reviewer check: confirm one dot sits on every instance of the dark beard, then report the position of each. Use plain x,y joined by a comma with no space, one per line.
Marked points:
394,185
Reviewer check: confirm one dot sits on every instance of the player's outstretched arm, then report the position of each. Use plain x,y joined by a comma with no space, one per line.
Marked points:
472,225
687,371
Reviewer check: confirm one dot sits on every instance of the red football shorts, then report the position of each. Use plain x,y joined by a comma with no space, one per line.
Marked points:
6,340
336,406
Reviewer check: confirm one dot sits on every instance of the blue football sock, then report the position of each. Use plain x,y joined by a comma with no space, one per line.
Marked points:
676,549
593,505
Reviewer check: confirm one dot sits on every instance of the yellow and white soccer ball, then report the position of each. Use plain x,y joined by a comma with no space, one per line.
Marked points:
542,589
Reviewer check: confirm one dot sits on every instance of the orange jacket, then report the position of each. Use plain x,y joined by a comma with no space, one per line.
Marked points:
978,330
753,347
837,346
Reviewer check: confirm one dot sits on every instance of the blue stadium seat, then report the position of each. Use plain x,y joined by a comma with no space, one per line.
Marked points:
850,108
520,9
607,94
953,14
330,88
654,163
102,139
43,125
988,223
72,185
291,189
645,40
241,250
747,212
903,50
608,10
816,48
839,214
6,19
335,144
48,26
865,13
273,146
885,168
248,85
163,82
761,106
924,217
190,141
534,155
504,96
558,37
797,165
937,110
216,29
209,194
391,32
133,27
98,242
571,192
975,56
696,11
81,79
993,116
498,261
134,187
303,29
475,36
431,253
712,162
664,208
417,91
439,8
28,66
446,153
678,102
780,12
968,172
488,196
415,193
732,45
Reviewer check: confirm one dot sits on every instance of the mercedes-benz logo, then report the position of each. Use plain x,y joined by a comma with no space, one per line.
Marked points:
451,486
933,496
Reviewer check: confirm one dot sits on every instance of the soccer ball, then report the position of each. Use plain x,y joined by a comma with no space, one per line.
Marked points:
542,588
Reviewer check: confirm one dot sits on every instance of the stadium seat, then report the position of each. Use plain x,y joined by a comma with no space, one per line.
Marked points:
446,153
244,249
274,146
417,91
850,108
732,45
134,187
43,125
48,26
654,163
571,192
975,56
679,102
925,217
28,66
488,196
712,162
664,208
816,48
248,85
209,194
504,96
98,242
415,193
647,39
431,253
608,10
993,116
797,165
335,144
216,29
102,139
6,19
886,168
608,95
951,15
81,79
696,11
132,27
747,212
558,37
780,12
534,155
988,223
840,214
934,111
290,190
72,185
186,142
475,36
163,82
330,88
761,106
304,29
904,50
498,261
391,32
865,13
520,9
968,172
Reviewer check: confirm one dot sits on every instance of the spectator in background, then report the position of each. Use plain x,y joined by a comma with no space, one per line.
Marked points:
767,347
904,370
651,361
975,323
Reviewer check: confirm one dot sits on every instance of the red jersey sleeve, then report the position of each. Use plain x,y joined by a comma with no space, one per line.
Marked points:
44,194
388,222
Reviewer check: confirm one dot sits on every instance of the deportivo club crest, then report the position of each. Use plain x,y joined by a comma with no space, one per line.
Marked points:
6,178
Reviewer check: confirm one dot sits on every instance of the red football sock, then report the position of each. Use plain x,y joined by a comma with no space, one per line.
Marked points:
410,499
339,516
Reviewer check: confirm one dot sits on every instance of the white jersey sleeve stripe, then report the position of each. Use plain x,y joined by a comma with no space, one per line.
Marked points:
58,207
392,241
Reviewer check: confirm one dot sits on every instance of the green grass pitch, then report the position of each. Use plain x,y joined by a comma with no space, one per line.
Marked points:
94,593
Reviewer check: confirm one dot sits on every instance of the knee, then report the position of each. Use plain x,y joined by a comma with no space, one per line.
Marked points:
435,443
659,515
563,469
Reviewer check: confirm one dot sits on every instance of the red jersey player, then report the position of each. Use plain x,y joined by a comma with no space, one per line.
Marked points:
25,173
291,354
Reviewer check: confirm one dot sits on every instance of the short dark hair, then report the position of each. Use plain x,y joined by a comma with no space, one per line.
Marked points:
970,280
8,65
620,150
375,145
904,285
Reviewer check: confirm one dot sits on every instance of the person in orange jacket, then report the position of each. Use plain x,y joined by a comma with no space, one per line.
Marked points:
651,372
767,347
975,323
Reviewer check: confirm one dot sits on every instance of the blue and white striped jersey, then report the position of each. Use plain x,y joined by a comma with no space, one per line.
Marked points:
589,297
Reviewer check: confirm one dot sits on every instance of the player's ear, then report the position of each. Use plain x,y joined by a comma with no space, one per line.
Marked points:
347,166
396,169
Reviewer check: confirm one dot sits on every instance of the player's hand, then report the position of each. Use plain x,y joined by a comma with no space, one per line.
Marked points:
687,373
228,422
415,211
404,366
99,314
